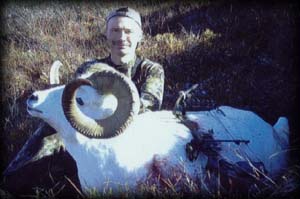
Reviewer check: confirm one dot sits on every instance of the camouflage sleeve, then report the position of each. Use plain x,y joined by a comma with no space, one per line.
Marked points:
153,88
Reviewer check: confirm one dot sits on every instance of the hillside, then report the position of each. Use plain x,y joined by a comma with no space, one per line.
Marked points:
244,55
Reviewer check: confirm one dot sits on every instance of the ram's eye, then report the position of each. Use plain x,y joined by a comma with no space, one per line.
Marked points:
79,101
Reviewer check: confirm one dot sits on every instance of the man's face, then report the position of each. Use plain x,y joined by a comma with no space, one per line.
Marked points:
123,35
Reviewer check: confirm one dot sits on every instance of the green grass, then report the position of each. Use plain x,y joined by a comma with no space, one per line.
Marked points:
243,55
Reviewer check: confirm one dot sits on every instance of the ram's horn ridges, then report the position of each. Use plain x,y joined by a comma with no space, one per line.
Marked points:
106,82
76,118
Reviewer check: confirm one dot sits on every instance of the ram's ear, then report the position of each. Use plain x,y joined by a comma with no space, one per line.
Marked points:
54,72
106,82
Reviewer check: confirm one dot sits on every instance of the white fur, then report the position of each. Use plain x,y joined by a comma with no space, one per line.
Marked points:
126,160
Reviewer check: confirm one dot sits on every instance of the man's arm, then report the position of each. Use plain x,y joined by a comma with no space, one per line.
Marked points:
153,88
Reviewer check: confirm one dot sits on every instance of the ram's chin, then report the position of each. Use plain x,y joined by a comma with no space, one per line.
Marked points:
34,112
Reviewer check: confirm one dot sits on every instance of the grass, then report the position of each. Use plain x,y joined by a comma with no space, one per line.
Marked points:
243,55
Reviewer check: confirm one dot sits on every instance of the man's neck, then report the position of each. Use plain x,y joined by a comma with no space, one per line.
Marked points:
127,60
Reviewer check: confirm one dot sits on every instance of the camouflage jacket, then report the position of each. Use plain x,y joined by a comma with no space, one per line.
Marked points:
148,77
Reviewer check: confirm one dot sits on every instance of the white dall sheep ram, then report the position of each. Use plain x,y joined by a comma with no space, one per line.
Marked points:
97,118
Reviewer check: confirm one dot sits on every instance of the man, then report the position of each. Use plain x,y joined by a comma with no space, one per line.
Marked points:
124,33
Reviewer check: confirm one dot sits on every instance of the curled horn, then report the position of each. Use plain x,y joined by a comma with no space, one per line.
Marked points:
106,82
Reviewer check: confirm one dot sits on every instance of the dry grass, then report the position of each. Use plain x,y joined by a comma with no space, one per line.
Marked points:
243,55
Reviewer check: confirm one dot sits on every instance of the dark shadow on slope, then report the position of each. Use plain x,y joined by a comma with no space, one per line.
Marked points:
48,173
